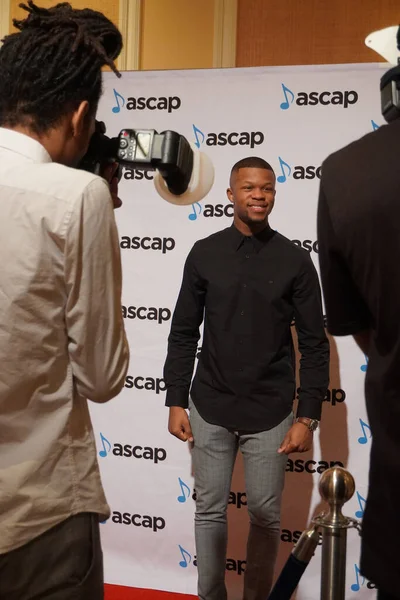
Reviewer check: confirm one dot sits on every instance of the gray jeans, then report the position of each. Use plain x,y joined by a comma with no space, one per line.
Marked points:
64,563
213,455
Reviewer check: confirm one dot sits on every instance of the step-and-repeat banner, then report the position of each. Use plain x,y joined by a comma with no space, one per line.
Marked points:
293,118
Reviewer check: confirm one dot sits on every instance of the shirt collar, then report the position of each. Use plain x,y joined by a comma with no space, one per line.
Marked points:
23,145
258,239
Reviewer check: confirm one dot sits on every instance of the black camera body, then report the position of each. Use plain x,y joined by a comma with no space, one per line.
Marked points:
167,152
390,90
390,94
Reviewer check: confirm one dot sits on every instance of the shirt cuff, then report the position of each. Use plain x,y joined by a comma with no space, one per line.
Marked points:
309,408
177,397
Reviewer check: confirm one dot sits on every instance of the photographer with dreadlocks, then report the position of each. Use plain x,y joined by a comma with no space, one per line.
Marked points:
62,338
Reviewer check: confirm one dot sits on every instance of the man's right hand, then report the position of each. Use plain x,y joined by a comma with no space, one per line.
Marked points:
179,425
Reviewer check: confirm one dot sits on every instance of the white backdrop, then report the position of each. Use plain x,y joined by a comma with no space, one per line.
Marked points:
292,117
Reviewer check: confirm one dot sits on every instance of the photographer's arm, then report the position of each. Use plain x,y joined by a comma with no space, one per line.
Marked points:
346,310
97,345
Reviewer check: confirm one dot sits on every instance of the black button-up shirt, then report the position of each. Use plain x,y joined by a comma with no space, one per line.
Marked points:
248,289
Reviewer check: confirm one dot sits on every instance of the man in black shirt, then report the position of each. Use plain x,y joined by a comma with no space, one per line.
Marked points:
248,282
359,249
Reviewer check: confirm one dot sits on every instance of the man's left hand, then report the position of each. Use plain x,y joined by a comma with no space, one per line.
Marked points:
298,439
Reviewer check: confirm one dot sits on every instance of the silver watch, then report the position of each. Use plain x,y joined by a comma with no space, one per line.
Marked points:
312,424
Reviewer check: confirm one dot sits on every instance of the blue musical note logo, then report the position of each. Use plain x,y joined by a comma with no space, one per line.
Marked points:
103,453
375,126
193,215
198,134
361,503
118,97
185,489
284,166
186,557
356,586
286,92
364,366
365,428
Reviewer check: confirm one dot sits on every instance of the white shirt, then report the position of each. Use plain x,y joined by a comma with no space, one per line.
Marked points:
62,337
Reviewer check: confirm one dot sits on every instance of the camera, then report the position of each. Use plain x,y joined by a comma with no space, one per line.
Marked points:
386,42
390,94
167,152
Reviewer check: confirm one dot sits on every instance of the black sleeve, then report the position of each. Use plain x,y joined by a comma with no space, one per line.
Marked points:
184,335
346,310
312,341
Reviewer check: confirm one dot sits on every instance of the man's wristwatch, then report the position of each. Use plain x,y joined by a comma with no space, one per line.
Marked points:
312,424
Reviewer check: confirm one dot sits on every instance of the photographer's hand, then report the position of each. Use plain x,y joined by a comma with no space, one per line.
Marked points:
110,175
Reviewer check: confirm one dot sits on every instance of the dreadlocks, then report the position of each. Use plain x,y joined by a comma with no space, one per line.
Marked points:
54,63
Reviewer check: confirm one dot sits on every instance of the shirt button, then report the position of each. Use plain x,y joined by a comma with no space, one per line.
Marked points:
240,369
245,285
247,256
242,313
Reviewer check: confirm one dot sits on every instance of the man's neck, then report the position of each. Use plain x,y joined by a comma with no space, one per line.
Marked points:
249,229
25,131
50,140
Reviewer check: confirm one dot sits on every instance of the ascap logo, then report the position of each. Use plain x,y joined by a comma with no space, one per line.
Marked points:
292,537
310,466
162,245
361,506
151,384
155,455
309,245
211,210
245,138
168,103
356,586
365,431
218,210
160,315
324,98
146,521
138,174
186,558
236,499
298,172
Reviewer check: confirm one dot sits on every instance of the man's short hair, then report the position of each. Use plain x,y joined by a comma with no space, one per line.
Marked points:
53,63
251,162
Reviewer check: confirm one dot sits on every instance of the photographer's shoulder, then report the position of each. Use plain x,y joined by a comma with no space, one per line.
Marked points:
74,185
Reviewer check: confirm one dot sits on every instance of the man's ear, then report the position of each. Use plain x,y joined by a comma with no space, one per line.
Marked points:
229,193
79,119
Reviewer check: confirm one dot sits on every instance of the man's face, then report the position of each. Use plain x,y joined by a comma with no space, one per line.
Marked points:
252,192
